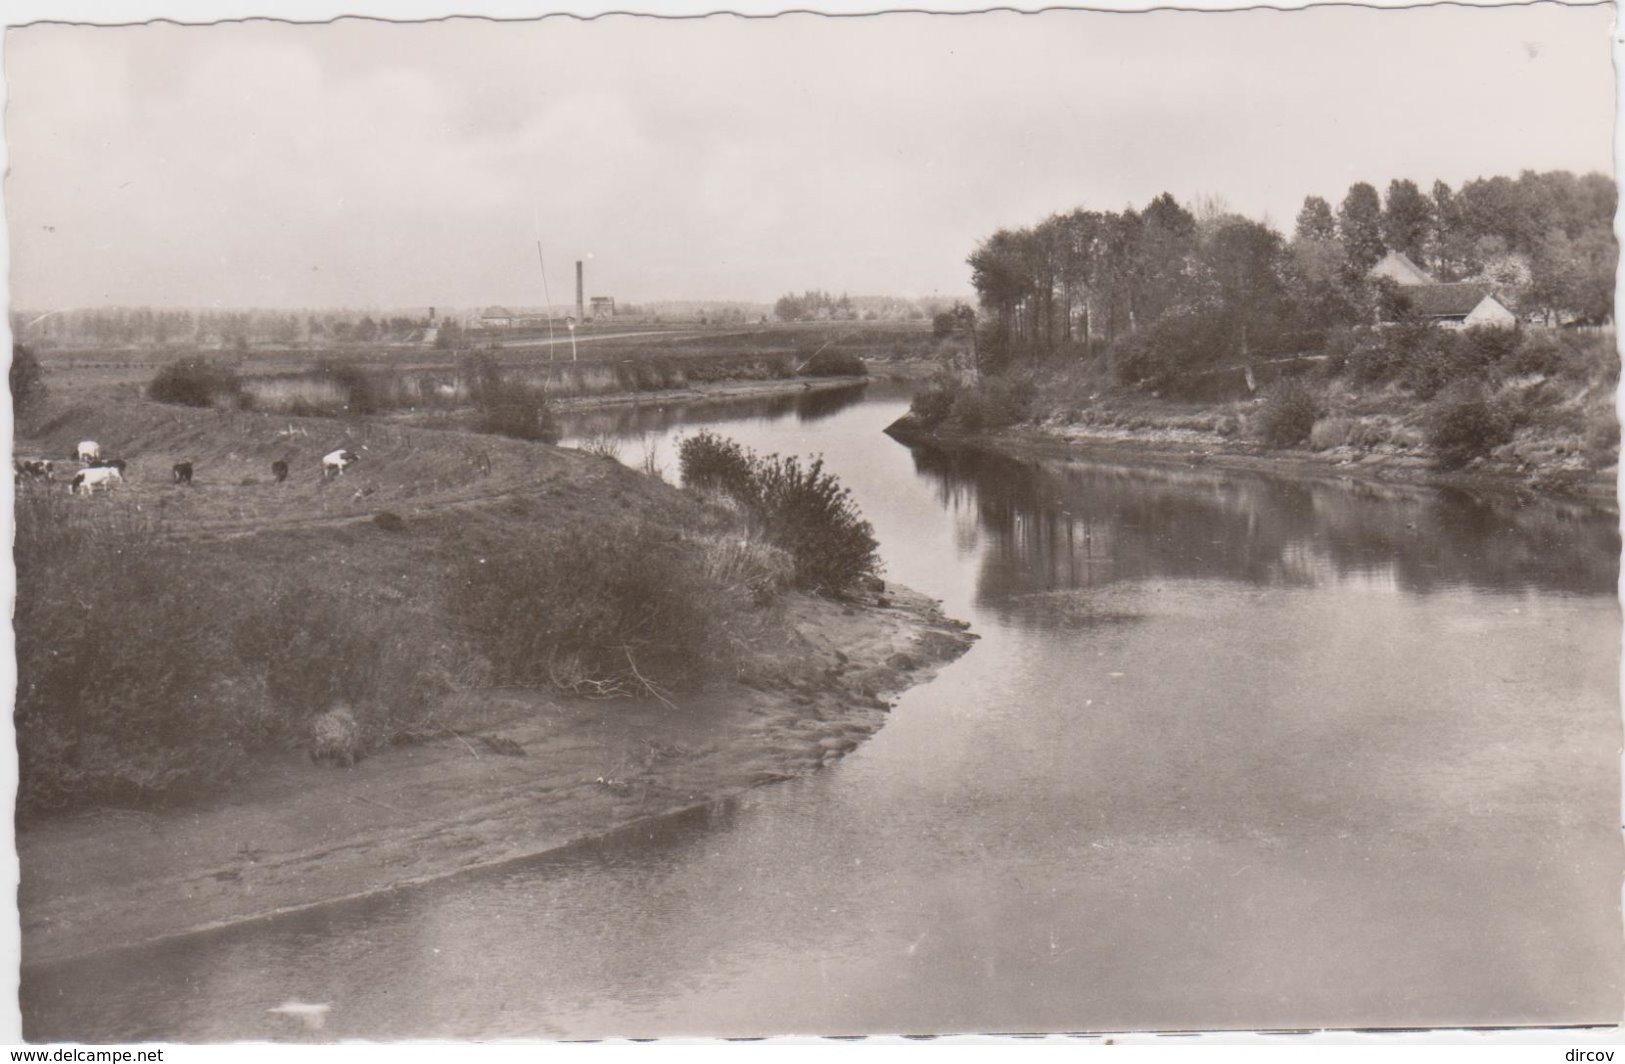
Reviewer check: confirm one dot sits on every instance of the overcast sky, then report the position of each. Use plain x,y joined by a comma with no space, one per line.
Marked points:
369,164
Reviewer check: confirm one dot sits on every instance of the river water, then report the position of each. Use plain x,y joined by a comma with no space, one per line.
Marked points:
1233,752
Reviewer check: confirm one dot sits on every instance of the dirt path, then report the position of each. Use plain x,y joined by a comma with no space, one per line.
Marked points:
525,773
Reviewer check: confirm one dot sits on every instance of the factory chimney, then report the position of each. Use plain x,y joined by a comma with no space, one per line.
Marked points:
581,300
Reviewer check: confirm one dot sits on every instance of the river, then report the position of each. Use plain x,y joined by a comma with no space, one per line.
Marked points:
1233,751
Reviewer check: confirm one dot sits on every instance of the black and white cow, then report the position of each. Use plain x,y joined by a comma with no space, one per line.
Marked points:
335,463
90,479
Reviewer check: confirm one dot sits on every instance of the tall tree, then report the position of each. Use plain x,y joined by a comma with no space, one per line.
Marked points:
1359,226
1406,217
1315,221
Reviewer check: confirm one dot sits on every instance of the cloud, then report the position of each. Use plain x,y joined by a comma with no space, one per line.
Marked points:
402,164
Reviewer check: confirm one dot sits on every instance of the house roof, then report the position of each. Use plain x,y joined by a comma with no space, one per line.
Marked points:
1403,261
496,312
1445,300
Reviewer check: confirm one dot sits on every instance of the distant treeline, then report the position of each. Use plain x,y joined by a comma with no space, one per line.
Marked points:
1167,278
815,305
227,329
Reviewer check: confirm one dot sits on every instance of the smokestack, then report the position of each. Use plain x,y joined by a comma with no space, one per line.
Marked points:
581,301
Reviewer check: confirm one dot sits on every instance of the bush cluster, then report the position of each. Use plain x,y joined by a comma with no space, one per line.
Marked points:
993,402
802,510
1288,415
1464,425
1426,360
623,610
197,382
503,407
832,363
709,461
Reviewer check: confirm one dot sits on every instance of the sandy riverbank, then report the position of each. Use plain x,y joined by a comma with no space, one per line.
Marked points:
524,773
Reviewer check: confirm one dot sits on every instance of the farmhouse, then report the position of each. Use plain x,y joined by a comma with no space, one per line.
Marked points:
1397,266
495,318
1458,306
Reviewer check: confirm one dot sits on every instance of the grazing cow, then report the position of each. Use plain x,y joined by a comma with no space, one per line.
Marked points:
88,451
279,470
336,463
32,468
91,479
183,472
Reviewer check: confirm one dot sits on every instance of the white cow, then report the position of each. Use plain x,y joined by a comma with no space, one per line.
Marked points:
96,477
88,451
337,462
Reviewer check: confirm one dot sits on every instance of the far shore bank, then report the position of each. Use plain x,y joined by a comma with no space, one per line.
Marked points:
711,390
1189,448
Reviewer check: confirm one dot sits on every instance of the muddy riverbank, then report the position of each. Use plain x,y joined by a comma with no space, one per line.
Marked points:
522,773
1190,448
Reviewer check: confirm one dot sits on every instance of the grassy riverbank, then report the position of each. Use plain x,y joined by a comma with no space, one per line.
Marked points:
574,629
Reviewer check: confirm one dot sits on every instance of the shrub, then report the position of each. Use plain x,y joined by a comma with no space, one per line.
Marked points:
931,406
196,382
807,513
995,402
1330,432
609,611
506,407
363,392
1173,345
1288,415
1373,359
828,363
711,461
1538,353
803,511
1486,347
521,412
1465,425
27,380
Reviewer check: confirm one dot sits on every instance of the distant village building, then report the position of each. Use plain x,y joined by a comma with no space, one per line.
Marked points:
1397,267
495,318
602,307
1460,305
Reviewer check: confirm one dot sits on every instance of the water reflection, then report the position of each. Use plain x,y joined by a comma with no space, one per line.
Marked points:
1057,525
633,420
486,927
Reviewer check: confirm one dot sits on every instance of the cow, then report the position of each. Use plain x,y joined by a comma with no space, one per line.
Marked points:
279,470
110,463
88,451
32,468
91,479
183,472
337,462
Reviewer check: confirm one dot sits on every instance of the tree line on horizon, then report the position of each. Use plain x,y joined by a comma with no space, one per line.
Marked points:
1214,284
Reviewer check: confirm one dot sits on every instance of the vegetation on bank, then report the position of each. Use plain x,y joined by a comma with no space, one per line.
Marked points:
510,398
1174,319
157,666
803,511
1533,401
